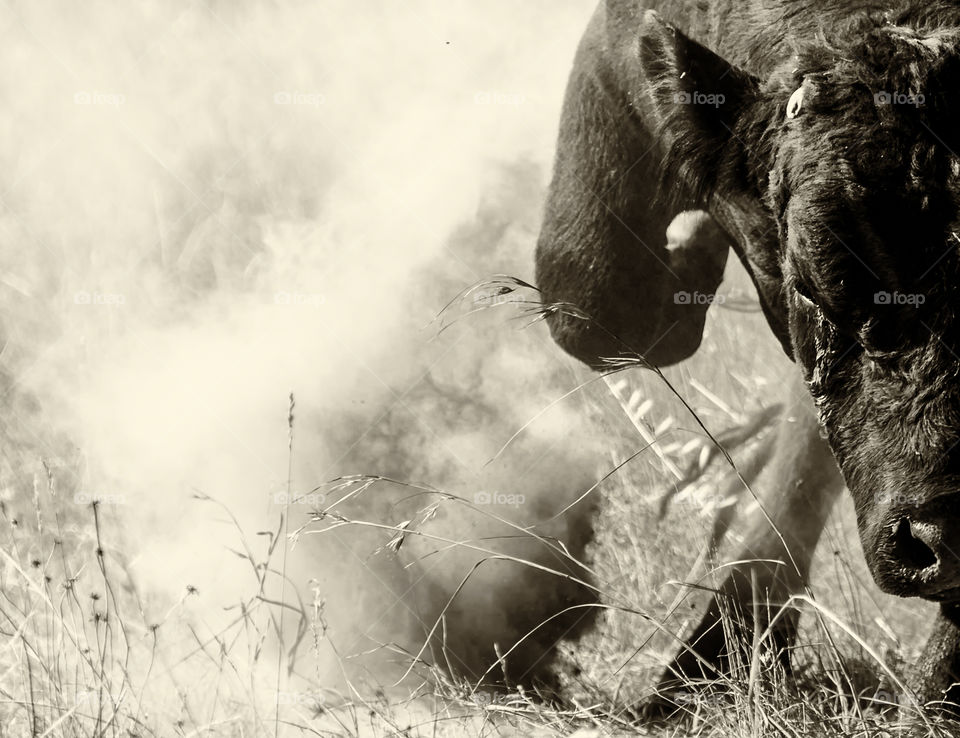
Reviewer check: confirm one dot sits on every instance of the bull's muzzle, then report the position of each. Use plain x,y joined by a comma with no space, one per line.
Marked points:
918,551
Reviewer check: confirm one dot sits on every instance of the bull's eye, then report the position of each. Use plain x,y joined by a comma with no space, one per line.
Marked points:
880,338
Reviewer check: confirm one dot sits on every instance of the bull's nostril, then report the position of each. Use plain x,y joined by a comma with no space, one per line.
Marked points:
910,550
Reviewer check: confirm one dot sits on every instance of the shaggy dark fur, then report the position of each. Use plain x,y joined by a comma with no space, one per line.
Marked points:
847,217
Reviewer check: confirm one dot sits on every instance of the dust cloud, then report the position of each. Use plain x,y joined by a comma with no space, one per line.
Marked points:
205,207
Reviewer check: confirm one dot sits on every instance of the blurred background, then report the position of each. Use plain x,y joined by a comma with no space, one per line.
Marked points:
228,235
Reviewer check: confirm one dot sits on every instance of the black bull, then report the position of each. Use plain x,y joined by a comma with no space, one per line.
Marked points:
817,140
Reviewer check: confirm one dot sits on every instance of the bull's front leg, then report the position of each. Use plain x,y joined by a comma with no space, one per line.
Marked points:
936,677
797,492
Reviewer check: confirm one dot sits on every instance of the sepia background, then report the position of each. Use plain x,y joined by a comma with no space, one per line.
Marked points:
237,246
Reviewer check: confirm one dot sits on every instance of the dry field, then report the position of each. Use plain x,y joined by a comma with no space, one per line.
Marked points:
271,467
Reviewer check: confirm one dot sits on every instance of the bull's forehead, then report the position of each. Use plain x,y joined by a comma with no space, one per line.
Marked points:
912,48
891,70
926,40
862,261
879,204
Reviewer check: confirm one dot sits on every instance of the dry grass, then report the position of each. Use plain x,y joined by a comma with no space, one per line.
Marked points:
82,657
210,198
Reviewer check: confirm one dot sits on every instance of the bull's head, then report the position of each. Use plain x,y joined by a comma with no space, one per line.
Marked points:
837,180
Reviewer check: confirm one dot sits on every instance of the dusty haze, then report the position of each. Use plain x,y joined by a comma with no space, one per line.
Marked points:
209,206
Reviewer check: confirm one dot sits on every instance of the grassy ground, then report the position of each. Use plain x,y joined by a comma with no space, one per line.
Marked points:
839,687
83,657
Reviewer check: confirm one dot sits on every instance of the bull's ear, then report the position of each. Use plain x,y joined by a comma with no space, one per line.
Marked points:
702,109
695,98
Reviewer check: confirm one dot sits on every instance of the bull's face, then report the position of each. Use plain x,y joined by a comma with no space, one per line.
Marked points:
868,197
849,155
